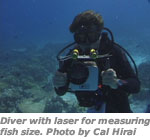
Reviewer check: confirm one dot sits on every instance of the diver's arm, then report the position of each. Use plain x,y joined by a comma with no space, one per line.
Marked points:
129,82
60,82
61,78
130,85
64,67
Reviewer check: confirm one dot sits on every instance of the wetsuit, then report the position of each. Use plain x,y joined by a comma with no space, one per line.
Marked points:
116,99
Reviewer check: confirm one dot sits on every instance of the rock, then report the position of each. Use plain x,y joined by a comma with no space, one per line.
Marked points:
29,106
144,76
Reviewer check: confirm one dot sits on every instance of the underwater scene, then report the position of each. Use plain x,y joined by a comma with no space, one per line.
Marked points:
32,33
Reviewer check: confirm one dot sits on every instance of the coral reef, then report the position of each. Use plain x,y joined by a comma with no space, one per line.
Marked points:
59,105
32,106
144,76
140,101
26,83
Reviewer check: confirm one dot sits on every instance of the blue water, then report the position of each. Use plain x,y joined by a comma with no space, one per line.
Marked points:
40,21
25,23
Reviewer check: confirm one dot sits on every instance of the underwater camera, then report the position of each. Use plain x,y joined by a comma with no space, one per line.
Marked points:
83,73
83,77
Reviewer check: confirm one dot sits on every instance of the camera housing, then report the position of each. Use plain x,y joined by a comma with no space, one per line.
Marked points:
83,77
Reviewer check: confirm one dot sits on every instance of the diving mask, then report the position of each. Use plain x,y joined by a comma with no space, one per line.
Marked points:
86,34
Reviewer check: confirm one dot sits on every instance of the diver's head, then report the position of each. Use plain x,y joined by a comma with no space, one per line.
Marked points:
87,27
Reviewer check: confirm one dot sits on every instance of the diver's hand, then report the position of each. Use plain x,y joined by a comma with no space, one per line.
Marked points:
109,78
59,79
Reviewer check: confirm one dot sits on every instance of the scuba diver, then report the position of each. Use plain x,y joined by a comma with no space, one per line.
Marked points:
96,70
